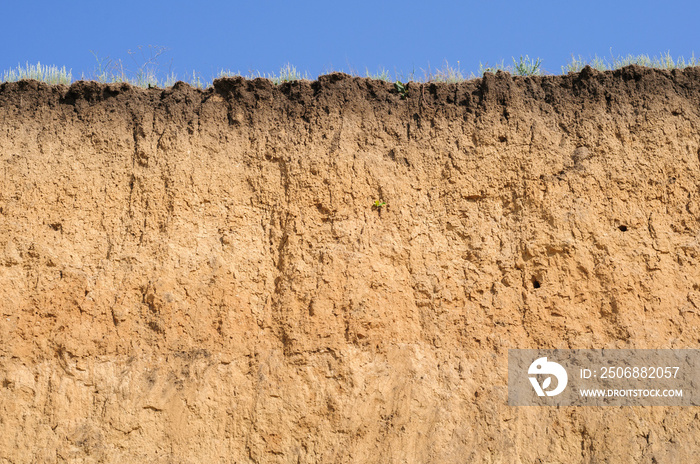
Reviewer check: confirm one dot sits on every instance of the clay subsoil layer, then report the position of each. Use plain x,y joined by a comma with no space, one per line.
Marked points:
202,276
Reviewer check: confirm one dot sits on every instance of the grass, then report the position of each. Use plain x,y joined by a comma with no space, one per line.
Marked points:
39,72
663,61
526,66
144,70
446,73
288,73
381,75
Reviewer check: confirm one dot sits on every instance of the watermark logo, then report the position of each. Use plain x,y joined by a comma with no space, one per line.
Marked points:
604,377
551,369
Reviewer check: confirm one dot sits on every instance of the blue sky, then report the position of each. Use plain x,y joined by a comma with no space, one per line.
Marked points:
340,35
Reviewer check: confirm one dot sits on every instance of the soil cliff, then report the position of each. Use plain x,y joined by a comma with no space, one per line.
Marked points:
203,276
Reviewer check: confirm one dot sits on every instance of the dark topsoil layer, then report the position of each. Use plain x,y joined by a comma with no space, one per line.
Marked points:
608,90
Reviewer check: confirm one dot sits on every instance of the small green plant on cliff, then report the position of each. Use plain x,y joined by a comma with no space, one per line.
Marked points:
379,204
401,89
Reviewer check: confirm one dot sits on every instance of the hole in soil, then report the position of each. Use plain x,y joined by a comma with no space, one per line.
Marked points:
536,283
623,228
